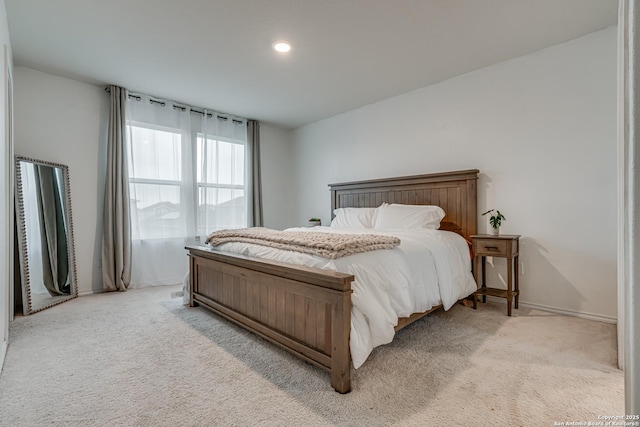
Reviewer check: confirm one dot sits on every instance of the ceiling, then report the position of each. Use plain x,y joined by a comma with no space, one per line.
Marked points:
346,53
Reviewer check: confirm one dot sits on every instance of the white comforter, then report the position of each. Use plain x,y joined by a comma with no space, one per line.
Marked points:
430,267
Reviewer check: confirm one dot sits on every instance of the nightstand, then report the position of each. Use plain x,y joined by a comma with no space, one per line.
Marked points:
501,246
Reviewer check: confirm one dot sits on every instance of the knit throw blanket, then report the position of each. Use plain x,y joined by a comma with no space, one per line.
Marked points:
327,245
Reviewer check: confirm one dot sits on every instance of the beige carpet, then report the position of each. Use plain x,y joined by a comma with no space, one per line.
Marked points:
141,358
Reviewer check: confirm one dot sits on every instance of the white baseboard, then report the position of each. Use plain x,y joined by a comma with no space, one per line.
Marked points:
3,353
565,312
102,291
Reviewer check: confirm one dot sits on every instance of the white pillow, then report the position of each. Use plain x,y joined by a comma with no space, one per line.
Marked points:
353,218
408,216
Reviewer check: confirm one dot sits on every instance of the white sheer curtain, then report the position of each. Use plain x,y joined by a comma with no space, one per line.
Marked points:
222,175
188,177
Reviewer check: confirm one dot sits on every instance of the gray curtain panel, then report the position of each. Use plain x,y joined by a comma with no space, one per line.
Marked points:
116,236
53,235
253,140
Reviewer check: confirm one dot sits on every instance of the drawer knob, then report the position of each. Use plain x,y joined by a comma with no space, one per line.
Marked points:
492,248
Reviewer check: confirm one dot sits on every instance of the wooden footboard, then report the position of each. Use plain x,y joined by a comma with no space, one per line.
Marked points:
306,311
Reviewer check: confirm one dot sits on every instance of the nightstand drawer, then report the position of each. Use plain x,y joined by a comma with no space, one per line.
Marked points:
491,247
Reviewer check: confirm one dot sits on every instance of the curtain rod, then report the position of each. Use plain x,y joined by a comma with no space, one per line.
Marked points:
178,107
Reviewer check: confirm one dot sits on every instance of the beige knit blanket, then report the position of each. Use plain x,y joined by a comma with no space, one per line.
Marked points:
326,245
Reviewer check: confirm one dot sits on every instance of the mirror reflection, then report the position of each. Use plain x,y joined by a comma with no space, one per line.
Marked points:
45,242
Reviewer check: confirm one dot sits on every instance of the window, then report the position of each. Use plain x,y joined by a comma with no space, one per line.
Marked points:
155,178
221,184
176,194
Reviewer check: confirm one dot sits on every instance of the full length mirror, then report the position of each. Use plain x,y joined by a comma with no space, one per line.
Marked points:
44,234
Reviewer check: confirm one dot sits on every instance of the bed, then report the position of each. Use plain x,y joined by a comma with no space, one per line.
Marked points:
307,310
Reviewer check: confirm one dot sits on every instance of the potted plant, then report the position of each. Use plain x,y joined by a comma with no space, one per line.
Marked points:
495,220
314,222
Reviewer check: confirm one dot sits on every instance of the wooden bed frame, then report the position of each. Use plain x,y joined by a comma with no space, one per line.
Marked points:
307,311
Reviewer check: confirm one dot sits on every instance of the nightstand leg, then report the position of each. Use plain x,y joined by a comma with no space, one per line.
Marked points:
484,276
475,276
516,279
509,285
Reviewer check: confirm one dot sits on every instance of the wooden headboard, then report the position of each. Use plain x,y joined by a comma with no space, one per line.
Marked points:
455,192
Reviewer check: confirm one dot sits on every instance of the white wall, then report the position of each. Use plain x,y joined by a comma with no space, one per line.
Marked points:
277,187
61,120
542,131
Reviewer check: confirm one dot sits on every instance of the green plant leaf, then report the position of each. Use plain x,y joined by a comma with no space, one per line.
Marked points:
495,220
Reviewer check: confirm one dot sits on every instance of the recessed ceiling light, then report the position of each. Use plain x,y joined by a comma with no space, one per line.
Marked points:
281,46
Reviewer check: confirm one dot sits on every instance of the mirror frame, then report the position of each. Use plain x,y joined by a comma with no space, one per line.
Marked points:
27,307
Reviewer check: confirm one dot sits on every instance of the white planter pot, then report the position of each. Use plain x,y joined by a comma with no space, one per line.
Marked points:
494,231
